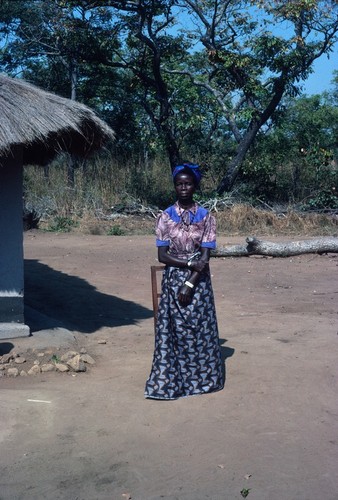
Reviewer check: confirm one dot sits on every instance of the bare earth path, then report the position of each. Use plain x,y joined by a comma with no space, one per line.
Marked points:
272,433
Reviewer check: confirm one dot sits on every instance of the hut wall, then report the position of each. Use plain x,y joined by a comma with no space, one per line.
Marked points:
11,250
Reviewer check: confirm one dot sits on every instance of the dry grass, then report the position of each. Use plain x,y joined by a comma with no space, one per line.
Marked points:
102,185
247,220
238,220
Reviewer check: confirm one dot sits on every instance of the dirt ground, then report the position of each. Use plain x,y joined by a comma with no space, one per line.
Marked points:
271,434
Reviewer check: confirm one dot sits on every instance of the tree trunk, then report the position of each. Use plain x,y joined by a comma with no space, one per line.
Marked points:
235,164
254,127
255,246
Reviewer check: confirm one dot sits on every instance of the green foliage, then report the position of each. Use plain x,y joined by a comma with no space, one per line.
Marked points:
115,230
297,159
324,199
207,92
55,359
245,492
60,224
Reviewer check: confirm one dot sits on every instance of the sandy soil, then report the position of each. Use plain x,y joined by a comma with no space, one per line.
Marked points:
271,434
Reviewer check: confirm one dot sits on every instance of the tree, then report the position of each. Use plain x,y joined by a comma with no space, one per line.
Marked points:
125,35
255,53
176,109
53,43
296,159
212,86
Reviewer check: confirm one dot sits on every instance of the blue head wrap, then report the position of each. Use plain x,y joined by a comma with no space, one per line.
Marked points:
195,170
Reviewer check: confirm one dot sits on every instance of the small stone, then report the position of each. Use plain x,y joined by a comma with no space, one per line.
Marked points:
68,355
34,370
40,354
36,362
47,367
101,341
23,373
6,358
12,372
60,367
83,350
19,360
2,367
77,364
87,359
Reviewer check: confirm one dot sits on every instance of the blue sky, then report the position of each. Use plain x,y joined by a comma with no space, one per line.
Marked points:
320,80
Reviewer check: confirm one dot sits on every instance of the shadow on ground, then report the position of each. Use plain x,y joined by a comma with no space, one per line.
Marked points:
5,347
55,299
226,352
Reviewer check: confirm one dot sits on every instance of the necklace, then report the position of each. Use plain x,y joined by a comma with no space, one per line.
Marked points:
187,217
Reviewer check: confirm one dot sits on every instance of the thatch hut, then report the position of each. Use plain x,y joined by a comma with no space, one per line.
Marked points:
35,126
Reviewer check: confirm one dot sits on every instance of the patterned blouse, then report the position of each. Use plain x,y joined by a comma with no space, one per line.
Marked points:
185,231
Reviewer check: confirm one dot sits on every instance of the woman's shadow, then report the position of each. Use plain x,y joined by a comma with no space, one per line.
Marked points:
226,352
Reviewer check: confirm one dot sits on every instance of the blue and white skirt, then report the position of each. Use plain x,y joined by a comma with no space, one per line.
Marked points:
187,357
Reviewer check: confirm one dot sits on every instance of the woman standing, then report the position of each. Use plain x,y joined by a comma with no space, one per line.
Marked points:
187,359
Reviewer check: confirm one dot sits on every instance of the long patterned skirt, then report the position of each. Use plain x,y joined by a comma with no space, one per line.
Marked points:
187,358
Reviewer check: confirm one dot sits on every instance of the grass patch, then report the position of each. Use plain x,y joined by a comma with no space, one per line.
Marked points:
247,220
60,224
115,230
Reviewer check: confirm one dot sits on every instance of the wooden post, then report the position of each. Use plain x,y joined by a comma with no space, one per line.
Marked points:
155,294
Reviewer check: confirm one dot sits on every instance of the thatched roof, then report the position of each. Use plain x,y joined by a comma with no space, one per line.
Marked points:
44,124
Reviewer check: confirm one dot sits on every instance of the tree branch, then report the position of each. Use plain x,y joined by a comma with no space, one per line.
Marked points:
255,246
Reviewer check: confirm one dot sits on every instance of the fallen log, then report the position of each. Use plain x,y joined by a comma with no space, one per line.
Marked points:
254,246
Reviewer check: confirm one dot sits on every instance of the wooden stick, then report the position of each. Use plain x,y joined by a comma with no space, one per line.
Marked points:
155,294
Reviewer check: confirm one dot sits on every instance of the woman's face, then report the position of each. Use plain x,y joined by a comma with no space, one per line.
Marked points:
184,187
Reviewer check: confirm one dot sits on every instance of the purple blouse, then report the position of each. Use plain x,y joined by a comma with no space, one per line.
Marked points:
185,231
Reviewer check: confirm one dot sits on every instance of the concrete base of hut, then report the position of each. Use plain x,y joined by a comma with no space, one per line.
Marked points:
13,330
12,318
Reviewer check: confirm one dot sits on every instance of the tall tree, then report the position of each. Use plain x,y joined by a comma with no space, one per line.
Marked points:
241,59
52,43
296,160
255,53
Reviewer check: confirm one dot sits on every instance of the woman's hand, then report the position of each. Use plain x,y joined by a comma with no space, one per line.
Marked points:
199,266
185,295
